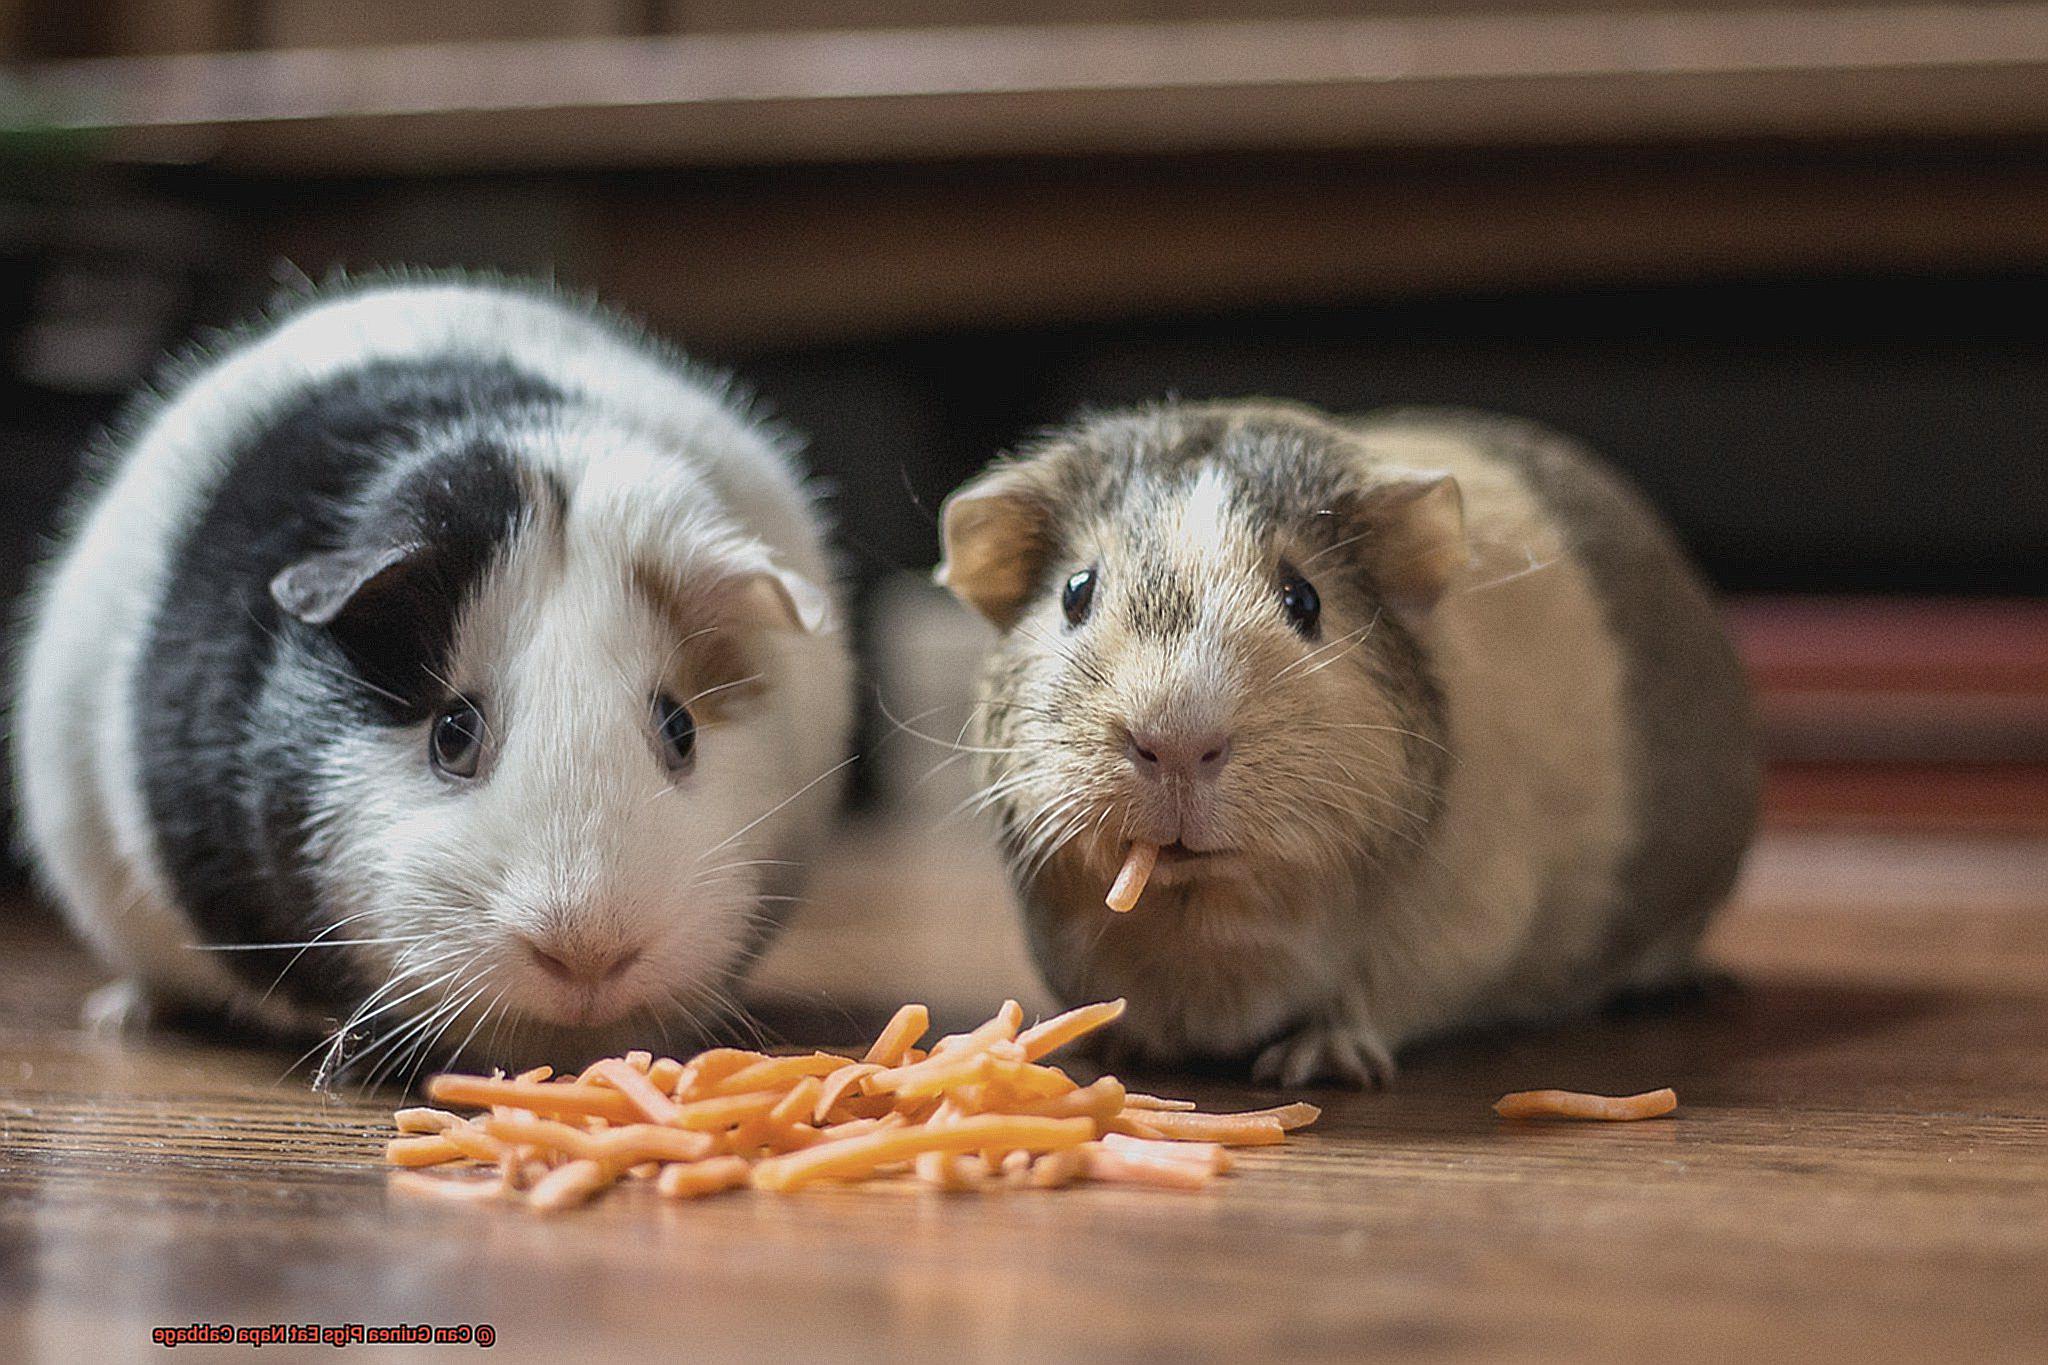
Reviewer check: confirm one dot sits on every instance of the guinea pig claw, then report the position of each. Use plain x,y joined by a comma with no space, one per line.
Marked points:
1336,1052
119,1007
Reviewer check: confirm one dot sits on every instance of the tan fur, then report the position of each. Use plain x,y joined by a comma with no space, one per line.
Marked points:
1434,803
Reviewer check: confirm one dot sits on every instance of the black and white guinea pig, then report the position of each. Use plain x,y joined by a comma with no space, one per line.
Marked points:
459,640
1423,716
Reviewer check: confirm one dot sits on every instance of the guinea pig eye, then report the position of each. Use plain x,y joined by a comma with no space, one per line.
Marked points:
676,729
456,744
1078,596
1299,600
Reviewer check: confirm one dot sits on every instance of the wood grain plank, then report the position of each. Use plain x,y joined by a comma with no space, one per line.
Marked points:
1856,1172
1499,77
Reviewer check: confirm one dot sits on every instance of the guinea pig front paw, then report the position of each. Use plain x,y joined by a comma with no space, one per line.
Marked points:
116,1008
1338,1052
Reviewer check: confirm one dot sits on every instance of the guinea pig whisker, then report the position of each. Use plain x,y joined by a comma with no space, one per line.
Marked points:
1534,566
302,945
422,1030
1402,731
702,693
343,922
956,746
708,999
327,666
1350,640
668,1042
1066,653
678,647
1376,823
425,1051
1328,550
752,862
278,980
394,1003
477,1027
1051,830
775,809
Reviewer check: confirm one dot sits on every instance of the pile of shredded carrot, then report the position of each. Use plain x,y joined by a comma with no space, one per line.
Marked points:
978,1111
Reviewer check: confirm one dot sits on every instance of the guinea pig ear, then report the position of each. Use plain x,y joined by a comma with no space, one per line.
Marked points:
1415,541
778,599
994,533
321,588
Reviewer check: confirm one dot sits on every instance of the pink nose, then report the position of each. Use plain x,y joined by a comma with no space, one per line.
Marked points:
1162,754
582,964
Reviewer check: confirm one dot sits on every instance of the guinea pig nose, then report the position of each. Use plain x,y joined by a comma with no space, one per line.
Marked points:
589,966
1198,757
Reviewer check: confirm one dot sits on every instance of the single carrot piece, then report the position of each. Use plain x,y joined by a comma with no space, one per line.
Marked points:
638,1142
707,1069
861,1155
1573,1104
1256,1130
1052,1034
1133,1125
536,1075
567,1186
798,1104
1055,1169
725,1111
1142,1168
633,1083
776,1072
860,1127
694,1179
548,1135
932,1076
1134,1100
1289,1116
1213,1156
665,1072
447,1187
1102,1101
474,1142
421,1151
838,1083
1131,878
900,1034
1001,1027
573,1099
942,1170
422,1120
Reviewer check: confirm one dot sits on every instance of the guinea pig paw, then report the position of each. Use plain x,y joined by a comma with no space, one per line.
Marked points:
116,1008
1334,1052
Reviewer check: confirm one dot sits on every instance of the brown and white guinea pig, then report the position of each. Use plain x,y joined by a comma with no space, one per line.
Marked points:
1430,720
441,663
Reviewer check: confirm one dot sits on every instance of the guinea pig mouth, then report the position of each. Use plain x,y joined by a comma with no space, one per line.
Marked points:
1177,862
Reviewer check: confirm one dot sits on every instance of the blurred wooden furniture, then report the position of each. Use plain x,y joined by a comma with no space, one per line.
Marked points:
1423,78
1902,715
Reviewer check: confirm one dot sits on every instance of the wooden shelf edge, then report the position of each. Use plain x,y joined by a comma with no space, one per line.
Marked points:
1487,79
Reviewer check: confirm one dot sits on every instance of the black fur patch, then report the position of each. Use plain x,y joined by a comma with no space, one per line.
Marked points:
236,701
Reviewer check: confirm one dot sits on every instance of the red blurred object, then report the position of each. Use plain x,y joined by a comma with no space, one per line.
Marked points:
1908,713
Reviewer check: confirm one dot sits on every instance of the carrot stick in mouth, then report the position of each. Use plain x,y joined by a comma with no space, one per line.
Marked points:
1130,881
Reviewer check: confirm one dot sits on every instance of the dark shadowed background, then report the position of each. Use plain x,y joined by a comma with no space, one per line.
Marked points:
1784,265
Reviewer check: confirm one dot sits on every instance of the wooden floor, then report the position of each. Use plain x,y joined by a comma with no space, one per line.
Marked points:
1859,1170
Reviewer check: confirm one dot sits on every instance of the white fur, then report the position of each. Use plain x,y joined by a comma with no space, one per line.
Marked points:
577,814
